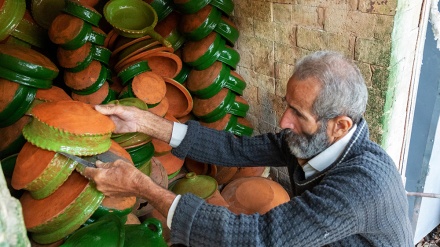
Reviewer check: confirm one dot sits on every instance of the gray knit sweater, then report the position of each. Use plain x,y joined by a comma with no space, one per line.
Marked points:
359,200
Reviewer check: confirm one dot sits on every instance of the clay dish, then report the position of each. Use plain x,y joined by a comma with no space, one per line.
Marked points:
28,62
58,215
124,42
162,8
257,171
52,94
226,6
162,108
40,171
189,6
119,206
171,163
97,36
227,29
200,185
11,14
30,32
198,25
7,93
73,59
186,118
194,50
99,97
165,64
141,154
44,12
208,82
132,70
140,54
69,31
15,102
149,87
249,195
180,100
110,40
160,147
237,125
216,107
94,73
168,28
223,174
90,3
69,126
82,11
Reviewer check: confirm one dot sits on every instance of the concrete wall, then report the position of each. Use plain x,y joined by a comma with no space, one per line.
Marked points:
275,33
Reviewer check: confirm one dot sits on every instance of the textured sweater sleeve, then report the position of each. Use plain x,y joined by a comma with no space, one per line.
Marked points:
223,148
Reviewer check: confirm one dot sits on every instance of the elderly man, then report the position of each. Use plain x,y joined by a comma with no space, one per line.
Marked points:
347,191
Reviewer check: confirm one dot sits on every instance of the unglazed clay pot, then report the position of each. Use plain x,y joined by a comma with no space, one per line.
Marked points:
147,86
58,215
52,94
139,55
180,100
165,64
249,195
160,147
224,174
162,108
69,126
171,163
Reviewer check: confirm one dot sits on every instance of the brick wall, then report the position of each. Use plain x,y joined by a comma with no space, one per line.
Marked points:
274,34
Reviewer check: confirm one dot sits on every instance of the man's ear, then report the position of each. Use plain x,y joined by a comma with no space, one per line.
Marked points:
340,126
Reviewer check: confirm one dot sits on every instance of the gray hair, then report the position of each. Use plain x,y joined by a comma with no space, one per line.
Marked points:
343,90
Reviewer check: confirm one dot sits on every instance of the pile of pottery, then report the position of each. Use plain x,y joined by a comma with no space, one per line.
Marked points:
173,58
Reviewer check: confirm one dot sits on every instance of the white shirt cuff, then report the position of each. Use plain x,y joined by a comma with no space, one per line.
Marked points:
172,210
179,132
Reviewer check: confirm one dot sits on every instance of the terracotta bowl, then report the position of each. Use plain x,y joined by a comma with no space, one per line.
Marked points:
162,108
251,195
165,64
171,163
82,11
148,87
84,81
160,147
69,126
77,59
40,171
200,24
163,8
183,74
237,125
52,94
168,28
180,100
58,215
226,6
223,174
189,6
208,82
103,95
139,55
216,107
69,32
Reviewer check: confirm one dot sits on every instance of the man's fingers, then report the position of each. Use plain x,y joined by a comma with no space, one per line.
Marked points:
101,164
89,172
106,109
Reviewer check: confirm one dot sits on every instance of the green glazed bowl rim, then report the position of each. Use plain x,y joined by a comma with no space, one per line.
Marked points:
102,54
18,107
238,129
206,27
191,6
102,78
141,154
227,6
27,68
227,31
30,33
11,13
210,56
162,7
183,74
23,79
96,38
112,95
176,39
229,56
80,39
86,62
86,14
133,70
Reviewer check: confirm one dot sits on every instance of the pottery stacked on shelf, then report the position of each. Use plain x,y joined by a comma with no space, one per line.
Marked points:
82,54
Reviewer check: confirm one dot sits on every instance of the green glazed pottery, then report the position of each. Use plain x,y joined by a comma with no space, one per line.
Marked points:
119,206
60,214
133,70
30,32
83,12
143,19
162,7
108,231
45,11
40,172
11,13
227,30
97,36
69,32
213,109
77,59
202,186
69,126
198,25
190,6
183,74
208,82
227,6
149,233
28,62
168,28
237,125
141,154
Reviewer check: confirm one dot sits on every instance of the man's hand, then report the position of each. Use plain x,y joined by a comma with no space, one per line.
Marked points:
117,179
132,119
125,117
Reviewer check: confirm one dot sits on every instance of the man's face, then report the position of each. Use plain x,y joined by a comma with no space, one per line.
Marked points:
306,136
